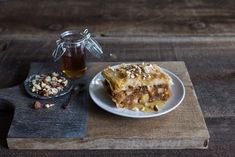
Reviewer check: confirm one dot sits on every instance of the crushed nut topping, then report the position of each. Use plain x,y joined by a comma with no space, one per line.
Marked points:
136,70
48,85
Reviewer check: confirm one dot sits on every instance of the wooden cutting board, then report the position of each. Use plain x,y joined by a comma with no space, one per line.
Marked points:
182,128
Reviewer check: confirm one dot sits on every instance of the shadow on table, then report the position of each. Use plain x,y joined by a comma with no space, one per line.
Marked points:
6,115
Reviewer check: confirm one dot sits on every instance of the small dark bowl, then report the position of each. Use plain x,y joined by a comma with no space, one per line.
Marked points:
27,83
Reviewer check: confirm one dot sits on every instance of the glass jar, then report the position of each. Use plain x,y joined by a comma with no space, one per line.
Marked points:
71,51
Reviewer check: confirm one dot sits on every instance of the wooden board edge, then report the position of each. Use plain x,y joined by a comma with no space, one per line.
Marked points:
99,144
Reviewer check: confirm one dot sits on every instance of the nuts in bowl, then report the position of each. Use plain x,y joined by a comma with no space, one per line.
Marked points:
47,85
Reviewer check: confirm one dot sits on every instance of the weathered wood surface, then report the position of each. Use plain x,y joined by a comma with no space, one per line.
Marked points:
211,64
118,18
201,33
183,128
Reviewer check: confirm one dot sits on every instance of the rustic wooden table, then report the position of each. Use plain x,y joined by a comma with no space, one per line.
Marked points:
201,33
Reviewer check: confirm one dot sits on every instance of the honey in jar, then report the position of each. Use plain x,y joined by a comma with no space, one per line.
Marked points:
73,62
71,52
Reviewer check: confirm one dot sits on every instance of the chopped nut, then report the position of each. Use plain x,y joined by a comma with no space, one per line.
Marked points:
33,81
142,109
49,105
45,93
54,74
48,78
65,82
60,80
50,92
135,109
37,86
52,105
54,78
33,89
54,90
43,84
160,90
132,76
55,84
155,107
59,88
45,81
48,85
37,105
37,76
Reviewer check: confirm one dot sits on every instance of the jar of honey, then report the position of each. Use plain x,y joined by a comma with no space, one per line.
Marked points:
71,51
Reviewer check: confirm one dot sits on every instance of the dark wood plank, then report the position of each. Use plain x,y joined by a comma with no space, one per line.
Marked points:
118,18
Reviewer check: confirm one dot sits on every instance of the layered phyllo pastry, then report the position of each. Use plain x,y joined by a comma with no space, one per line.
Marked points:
139,87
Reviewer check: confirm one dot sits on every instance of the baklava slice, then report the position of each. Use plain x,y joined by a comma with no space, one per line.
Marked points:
140,87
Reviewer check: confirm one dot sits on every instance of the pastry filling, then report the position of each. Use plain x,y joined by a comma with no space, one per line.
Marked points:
144,98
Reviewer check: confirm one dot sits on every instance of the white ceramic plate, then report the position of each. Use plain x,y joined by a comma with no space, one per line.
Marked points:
101,97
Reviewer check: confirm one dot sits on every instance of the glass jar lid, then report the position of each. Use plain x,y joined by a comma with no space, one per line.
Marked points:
75,38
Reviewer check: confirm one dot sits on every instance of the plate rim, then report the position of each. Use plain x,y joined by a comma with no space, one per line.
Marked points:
142,116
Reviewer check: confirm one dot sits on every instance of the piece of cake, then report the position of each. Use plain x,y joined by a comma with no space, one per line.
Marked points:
140,87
